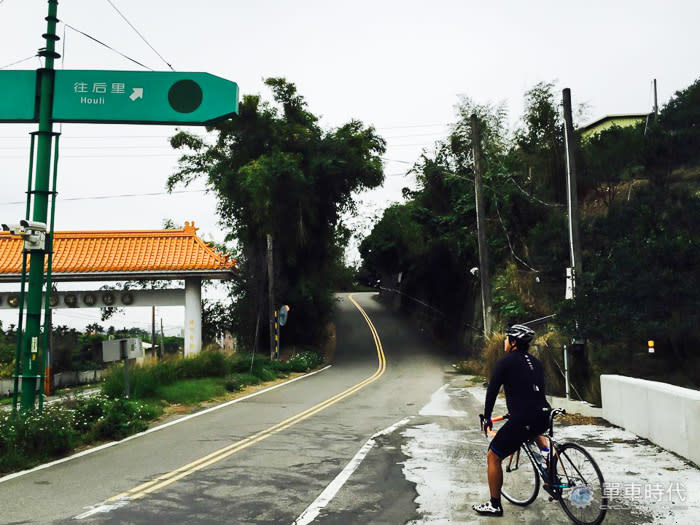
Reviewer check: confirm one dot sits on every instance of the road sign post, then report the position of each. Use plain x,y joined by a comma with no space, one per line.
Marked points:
116,97
31,359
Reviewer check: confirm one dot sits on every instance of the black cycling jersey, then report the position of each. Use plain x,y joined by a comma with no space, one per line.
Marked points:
523,380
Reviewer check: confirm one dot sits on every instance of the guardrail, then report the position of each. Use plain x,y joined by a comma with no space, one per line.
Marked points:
666,415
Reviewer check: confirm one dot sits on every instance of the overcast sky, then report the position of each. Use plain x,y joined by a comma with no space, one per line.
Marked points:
397,65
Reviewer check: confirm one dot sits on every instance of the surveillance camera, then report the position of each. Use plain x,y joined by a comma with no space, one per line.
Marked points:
474,271
14,229
32,225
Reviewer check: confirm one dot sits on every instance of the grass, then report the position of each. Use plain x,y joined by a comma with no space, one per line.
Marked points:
192,391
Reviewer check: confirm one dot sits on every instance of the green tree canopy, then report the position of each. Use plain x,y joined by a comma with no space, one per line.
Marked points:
275,171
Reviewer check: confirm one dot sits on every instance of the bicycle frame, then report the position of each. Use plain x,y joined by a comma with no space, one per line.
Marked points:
561,476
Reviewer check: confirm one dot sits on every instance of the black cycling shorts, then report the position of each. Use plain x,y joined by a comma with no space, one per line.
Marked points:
514,433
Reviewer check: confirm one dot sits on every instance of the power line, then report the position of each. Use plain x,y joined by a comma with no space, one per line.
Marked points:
104,197
107,46
115,156
413,126
76,148
18,62
142,37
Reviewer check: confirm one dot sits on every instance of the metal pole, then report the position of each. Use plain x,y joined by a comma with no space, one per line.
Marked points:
47,296
271,294
566,370
161,350
153,329
570,141
481,227
30,363
656,101
277,335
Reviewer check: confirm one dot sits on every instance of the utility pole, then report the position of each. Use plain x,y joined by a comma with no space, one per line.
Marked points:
656,102
574,238
161,350
30,352
271,294
153,330
481,226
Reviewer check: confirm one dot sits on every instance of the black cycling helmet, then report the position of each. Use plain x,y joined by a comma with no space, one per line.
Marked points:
520,333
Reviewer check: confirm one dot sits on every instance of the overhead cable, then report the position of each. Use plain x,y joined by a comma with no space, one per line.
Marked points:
142,37
107,46
121,196
18,62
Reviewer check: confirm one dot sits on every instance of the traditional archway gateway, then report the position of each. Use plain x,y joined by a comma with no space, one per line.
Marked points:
83,256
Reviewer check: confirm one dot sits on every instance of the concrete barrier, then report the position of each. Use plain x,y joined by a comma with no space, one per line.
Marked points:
60,380
667,415
575,407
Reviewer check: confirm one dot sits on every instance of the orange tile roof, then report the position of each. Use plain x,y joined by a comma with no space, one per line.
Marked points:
112,253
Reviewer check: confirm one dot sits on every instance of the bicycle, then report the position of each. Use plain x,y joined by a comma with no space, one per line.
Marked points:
569,474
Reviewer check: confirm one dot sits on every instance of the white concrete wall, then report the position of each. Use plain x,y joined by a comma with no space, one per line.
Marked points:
664,414
59,380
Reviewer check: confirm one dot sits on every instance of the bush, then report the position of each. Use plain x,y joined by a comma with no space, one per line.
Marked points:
123,418
190,391
237,381
89,410
305,360
35,437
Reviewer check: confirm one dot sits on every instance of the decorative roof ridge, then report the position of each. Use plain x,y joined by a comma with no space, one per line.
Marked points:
189,230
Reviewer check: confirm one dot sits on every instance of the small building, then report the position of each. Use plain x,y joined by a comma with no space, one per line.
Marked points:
608,121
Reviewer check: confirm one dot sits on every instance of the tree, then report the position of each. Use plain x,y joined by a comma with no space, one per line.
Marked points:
275,171
540,143
611,158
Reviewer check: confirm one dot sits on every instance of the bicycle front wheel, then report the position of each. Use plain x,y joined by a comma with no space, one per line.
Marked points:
521,482
581,483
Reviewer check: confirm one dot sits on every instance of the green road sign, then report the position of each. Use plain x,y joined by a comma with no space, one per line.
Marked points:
142,97
18,96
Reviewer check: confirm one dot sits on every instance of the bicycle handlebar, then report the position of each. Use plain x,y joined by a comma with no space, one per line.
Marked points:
554,413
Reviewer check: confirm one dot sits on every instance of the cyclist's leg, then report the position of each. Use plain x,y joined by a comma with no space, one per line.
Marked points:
507,440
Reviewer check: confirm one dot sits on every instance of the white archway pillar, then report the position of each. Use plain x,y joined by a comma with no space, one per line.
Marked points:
193,315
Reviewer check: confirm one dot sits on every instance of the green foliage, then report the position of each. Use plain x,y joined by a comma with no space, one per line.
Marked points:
507,297
176,378
640,251
610,158
122,418
396,240
89,410
34,437
305,360
643,276
276,172
192,391
239,381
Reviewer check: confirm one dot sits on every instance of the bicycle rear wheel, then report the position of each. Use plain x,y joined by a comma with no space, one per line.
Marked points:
521,482
581,482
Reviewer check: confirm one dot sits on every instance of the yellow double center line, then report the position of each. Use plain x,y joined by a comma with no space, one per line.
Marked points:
221,454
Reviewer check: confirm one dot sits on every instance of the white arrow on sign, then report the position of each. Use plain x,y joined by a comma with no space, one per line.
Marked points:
137,93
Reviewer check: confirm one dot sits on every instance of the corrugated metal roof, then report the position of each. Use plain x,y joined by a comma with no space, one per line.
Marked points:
114,252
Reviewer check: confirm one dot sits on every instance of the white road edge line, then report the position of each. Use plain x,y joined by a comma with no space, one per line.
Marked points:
313,510
156,429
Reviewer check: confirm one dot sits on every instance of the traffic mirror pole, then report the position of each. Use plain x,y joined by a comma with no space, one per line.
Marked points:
31,360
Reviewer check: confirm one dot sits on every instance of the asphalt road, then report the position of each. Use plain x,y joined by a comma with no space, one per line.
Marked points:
385,435
270,479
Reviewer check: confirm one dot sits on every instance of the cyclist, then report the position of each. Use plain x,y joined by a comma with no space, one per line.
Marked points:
522,377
